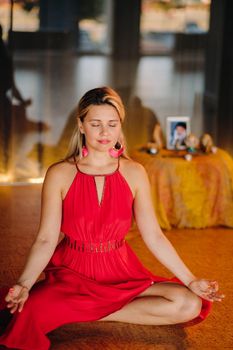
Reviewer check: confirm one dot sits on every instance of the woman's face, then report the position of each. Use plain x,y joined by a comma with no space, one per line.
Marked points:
101,126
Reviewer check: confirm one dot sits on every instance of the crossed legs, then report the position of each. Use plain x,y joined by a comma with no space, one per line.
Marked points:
160,304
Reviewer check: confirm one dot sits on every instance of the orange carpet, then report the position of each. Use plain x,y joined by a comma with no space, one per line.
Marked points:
208,253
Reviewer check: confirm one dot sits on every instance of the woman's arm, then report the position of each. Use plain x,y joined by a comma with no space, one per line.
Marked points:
49,228
151,233
160,246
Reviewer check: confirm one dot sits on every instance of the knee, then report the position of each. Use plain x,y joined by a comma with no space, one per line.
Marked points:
187,307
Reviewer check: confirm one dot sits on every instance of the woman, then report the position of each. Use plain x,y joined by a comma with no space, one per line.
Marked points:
93,274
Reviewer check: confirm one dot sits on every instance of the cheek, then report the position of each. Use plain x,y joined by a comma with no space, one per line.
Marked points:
116,130
90,131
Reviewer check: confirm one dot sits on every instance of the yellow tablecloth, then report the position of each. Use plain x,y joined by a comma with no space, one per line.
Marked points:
196,193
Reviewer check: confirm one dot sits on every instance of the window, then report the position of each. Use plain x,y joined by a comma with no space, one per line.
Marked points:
161,20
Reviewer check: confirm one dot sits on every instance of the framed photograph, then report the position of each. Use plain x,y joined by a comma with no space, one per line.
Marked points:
177,129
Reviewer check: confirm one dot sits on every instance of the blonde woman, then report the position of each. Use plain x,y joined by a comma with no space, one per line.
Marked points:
93,274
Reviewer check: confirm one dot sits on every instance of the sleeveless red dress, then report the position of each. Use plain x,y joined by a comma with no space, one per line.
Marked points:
93,271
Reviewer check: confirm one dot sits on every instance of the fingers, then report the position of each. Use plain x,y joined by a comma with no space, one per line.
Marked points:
212,299
16,300
21,305
213,296
13,308
207,289
214,285
209,286
8,298
9,295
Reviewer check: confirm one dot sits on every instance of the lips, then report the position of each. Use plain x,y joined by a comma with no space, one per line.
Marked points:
104,142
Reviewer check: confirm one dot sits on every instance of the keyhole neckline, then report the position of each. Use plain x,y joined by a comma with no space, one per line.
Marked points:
101,198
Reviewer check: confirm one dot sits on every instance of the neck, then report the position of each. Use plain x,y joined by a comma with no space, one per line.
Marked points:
98,159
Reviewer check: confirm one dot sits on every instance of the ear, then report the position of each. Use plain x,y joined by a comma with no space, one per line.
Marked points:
80,125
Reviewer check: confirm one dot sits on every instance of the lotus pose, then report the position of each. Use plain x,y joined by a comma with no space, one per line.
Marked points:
92,274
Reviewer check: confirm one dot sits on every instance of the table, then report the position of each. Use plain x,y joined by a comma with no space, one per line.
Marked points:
194,194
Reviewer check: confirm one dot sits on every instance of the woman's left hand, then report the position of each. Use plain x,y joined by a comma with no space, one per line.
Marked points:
206,289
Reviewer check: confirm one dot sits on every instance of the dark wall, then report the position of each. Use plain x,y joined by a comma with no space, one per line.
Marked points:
218,95
57,15
126,28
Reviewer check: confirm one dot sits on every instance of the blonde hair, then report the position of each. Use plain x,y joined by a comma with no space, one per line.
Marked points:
98,96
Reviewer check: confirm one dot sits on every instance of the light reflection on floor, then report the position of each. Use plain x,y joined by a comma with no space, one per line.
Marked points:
56,81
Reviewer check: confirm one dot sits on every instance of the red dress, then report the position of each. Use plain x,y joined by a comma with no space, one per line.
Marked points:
93,271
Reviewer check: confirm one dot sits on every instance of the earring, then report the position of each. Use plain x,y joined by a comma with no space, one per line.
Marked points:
84,151
116,152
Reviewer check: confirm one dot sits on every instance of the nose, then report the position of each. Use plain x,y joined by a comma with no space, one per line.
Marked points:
104,130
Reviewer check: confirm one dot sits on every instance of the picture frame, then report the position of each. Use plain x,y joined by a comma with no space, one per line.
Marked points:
177,128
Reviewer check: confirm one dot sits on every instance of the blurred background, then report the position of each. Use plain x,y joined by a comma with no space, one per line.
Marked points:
165,58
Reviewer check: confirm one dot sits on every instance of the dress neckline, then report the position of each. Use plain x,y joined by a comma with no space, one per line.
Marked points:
106,174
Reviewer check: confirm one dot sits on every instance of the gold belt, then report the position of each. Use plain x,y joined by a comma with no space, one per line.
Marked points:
93,247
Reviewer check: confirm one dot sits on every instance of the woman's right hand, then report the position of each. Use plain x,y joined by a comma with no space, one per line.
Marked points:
16,297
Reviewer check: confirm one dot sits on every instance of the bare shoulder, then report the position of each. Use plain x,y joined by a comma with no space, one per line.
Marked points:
132,168
56,170
134,173
59,174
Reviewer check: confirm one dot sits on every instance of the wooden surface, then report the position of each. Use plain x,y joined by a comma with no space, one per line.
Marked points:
207,252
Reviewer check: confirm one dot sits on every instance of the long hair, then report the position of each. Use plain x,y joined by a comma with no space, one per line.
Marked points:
98,96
